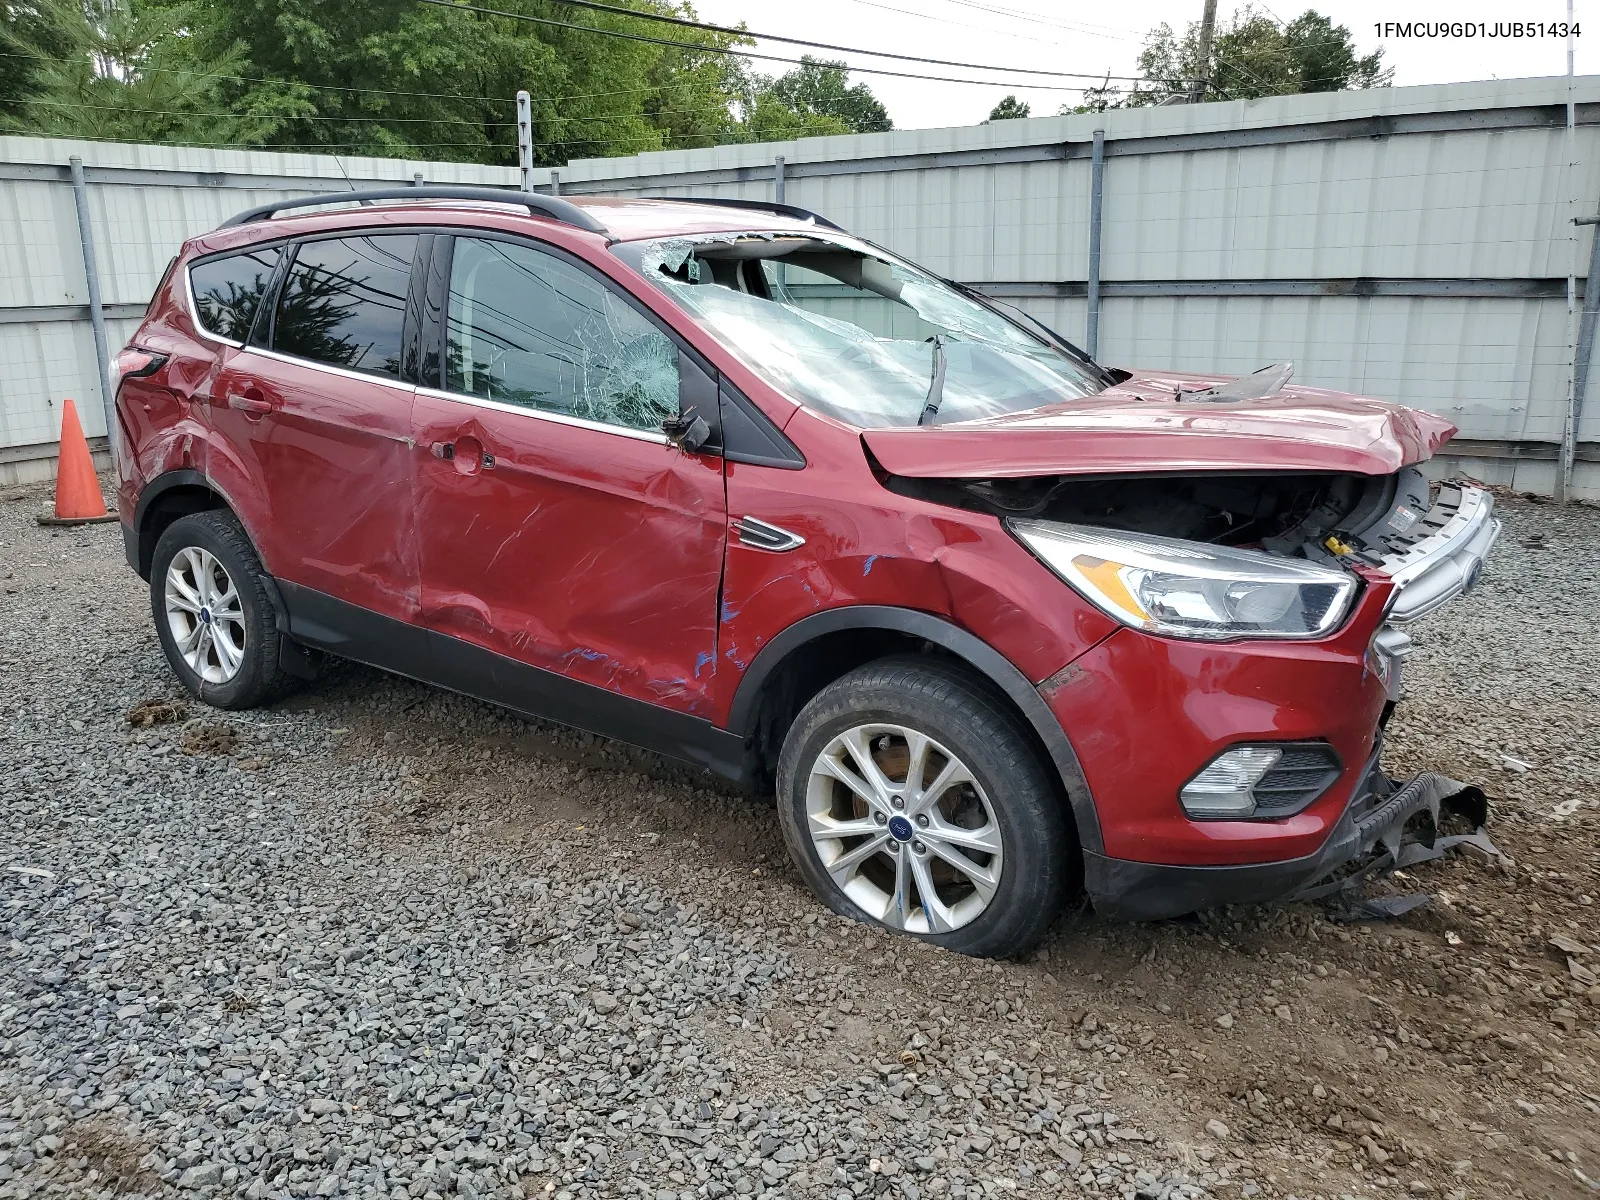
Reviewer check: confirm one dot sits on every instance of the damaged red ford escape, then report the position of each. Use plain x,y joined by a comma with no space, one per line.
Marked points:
994,622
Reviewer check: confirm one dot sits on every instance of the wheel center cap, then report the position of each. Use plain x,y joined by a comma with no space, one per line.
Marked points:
901,829
205,615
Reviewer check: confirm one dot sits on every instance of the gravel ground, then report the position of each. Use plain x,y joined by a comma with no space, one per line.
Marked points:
382,940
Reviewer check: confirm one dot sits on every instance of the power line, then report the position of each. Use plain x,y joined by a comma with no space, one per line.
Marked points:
1036,19
81,137
793,41
646,141
221,113
1030,37
328,87
163,112
321,87
707,49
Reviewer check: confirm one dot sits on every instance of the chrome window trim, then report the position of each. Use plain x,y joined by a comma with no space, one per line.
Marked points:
342,372
641,435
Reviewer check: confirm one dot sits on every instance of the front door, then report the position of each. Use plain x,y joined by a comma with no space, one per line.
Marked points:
557,526
320,415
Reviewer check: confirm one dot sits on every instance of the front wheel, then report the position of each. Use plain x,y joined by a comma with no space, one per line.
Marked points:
911,798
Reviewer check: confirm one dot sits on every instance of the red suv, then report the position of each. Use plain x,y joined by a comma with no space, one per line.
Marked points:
993,621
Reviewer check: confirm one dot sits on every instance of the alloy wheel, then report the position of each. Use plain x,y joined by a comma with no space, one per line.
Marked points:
904,829
205,614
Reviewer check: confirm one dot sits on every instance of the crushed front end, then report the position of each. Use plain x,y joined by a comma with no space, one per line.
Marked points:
1249,770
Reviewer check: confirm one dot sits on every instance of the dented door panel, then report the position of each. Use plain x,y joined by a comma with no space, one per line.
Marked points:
332,453
585,550
865,546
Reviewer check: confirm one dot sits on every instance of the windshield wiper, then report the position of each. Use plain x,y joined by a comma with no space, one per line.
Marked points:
1014,314
936,388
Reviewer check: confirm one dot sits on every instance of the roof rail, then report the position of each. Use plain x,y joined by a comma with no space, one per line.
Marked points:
548,206
783,210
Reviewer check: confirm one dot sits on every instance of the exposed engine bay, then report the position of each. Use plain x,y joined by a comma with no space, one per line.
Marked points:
1324,518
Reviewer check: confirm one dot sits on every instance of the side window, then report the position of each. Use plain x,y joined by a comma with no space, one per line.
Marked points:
228,291
529,329
344,302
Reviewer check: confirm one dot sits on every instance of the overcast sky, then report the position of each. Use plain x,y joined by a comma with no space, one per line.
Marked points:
1070,35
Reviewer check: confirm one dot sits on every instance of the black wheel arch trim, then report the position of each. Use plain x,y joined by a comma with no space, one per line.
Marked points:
966,646
188,477
166,482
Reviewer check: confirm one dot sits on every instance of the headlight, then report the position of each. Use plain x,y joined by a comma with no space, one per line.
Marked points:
1191,589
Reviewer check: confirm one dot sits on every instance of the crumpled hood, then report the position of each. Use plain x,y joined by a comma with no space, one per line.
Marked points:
1140,426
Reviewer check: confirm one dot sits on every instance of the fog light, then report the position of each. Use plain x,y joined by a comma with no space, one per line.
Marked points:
1225,787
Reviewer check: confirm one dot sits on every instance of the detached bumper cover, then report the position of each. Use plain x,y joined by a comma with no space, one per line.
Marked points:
1134,891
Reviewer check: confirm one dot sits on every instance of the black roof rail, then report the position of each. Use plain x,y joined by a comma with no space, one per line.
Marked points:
548,206
783,210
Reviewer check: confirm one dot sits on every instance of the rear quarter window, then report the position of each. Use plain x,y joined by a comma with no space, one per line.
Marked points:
228,291
344,302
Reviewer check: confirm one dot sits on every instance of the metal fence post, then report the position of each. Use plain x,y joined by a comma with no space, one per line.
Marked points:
525,139
91,273
777,179
555,183
1097,175
1582,353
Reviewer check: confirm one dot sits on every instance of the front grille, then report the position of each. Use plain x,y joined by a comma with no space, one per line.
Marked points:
1298,778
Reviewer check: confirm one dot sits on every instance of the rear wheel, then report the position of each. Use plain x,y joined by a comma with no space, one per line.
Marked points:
911,798
213,614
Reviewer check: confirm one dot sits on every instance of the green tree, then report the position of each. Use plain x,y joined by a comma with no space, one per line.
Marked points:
813,100
30,39
768,119
1252,55
420,79
1325,57
370,77
1009,109
111,69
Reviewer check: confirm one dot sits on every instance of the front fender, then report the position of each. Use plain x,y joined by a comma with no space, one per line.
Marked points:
977,653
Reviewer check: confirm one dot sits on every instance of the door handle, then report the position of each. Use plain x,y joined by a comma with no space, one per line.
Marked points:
248,401
471,459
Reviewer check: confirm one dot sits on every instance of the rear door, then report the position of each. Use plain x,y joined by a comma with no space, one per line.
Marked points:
558,527
317,408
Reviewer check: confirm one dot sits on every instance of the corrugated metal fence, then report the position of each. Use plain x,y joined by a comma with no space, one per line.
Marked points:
1411,243
142,202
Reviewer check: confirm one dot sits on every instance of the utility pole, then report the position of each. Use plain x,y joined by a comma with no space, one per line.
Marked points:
1208,25
525,139
1578,372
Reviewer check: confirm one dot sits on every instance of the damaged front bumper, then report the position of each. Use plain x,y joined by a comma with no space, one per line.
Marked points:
1371,836
1442,556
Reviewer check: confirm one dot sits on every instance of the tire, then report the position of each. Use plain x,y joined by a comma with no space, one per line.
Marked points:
1009,804
238,666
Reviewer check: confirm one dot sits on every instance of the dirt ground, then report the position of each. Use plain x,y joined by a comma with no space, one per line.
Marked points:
1272,1051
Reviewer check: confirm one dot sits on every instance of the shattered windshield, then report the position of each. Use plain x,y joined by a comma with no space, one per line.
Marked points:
853,332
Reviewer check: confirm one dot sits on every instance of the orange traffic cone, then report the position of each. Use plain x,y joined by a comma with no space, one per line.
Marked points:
78,498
